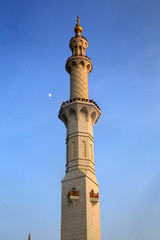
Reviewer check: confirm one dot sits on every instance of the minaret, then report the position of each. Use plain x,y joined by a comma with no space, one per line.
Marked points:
29,236
80,219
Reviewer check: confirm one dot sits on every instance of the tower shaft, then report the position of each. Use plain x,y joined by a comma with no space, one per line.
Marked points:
80,218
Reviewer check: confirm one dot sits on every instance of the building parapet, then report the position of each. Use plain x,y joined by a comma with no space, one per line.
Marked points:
77,99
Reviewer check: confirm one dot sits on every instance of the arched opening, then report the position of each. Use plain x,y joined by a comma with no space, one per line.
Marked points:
72,150
80,50
83,51
88,67
93,117
74,64
76,50
67,157
68,69
84,114
81,64
64,119
91,152
83,149
72,114
80,43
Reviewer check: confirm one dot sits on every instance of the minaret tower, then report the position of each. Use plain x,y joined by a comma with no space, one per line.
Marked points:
80,219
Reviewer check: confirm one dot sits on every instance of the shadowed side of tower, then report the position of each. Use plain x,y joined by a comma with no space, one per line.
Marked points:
80,218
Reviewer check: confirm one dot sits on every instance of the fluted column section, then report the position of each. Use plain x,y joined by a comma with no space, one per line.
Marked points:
78,67
79,83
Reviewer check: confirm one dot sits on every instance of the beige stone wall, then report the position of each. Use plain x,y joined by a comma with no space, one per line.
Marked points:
73,215
80,119
80,219
93,215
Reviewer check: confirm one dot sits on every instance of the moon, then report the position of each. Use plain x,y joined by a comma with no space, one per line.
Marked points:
49,95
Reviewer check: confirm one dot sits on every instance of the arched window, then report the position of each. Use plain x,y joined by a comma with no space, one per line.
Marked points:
83,114
72,150
72,114
76,50
80,49
67,157
83,149
91,151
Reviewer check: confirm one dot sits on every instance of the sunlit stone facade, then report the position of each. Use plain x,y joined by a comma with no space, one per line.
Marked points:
80,219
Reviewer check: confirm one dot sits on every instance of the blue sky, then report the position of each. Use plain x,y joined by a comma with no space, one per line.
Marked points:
124,46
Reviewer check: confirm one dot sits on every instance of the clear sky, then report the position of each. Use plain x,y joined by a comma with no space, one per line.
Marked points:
124,46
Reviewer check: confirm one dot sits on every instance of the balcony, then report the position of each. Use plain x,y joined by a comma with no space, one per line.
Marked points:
94,197
76,99
73,195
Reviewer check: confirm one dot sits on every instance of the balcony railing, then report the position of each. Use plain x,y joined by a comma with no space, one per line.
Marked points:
94,195
81,100
73,193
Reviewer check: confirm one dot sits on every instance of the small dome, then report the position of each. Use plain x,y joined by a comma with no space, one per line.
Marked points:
78,29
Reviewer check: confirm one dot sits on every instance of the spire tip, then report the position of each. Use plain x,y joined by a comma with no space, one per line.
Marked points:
78,29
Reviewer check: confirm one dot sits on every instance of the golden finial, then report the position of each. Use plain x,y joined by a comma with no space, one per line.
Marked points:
29,236
78,29
77,20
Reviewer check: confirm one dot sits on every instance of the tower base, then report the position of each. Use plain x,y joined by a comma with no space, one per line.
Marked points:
80,219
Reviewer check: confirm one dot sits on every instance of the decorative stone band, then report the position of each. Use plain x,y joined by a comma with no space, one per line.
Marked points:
78,55
79,59
78,37
79,133
76,107
76,99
